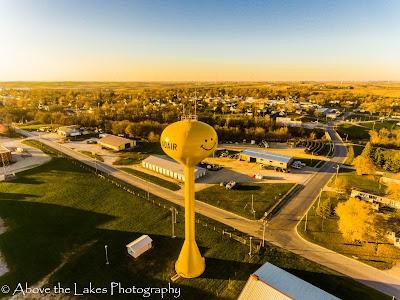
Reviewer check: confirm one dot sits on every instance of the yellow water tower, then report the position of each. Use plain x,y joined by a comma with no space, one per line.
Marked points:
189,141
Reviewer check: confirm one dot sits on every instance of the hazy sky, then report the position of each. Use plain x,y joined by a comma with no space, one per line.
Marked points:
210,40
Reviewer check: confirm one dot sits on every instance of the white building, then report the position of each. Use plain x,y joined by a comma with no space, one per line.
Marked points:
288,122
169,167
139,246
271,282
382,201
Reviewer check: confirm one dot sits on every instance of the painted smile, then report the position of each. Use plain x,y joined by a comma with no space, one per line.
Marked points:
206,148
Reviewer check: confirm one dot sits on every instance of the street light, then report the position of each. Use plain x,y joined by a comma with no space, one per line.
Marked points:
337,172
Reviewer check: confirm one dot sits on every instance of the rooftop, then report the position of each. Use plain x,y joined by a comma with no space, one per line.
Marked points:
267,155
169,164
114,140
271,282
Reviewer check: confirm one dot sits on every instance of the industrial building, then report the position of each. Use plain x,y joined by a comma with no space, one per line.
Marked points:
266,158
271,282
5,155
68,131
116,143
169,167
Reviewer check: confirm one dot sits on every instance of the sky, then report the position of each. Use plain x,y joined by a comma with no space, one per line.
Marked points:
207,40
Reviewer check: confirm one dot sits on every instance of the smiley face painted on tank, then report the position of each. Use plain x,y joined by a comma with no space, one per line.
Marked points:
208,144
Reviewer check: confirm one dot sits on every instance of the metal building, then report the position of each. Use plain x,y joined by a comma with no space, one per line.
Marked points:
266,158
139,246
169,167
116,143
271,282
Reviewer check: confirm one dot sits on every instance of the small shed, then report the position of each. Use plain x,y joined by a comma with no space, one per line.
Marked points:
139,246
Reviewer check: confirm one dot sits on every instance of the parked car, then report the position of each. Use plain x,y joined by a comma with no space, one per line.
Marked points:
230,185
91,142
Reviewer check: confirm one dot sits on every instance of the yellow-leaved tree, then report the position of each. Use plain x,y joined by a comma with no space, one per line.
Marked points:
357,222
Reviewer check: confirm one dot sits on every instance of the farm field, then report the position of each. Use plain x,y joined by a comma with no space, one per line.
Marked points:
66,215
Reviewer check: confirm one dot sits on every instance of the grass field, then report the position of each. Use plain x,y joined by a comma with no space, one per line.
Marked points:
143,150
63,216
358,181
37,126
154,179
354,132
90,154
352,152
384,258
389,125
238,200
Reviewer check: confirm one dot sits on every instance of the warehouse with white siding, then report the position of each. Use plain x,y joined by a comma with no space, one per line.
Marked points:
266,158
169,167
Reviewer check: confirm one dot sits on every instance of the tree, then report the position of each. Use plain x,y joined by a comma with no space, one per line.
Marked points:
357,222
393,190
325,211
364,165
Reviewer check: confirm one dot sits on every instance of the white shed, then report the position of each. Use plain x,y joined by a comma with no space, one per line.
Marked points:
139,246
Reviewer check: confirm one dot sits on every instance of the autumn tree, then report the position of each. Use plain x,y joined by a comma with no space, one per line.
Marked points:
357,222
364,165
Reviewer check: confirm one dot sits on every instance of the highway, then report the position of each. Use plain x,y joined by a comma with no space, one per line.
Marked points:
281,229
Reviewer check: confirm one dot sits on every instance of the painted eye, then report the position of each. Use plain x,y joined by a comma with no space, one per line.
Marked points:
211,139
205,141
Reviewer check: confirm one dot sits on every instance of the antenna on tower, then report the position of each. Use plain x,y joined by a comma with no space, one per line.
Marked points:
195,102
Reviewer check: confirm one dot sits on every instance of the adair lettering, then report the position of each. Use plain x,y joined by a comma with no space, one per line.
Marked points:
167,145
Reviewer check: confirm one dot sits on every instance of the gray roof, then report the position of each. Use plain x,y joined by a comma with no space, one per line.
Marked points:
271,282
113,140
169,164
267,155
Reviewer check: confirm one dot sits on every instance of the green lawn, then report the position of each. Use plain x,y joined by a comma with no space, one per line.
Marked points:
352,152
12,135
37,126
354,132
142,151
154,179
238,200
90,154
331,238
60,216
358,181
389,125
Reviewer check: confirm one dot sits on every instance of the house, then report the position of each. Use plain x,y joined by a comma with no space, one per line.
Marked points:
266,158
116,143
271,282
139,246
169,167
373,198
68,131
394,238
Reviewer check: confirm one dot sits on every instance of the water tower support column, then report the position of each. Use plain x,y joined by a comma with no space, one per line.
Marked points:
190,263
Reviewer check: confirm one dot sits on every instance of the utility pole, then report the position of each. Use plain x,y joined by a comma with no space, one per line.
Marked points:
252,206
264,225
173,218
250,245
337,172
319,198
305,224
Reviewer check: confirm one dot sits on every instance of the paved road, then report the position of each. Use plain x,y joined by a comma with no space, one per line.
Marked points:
281,230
